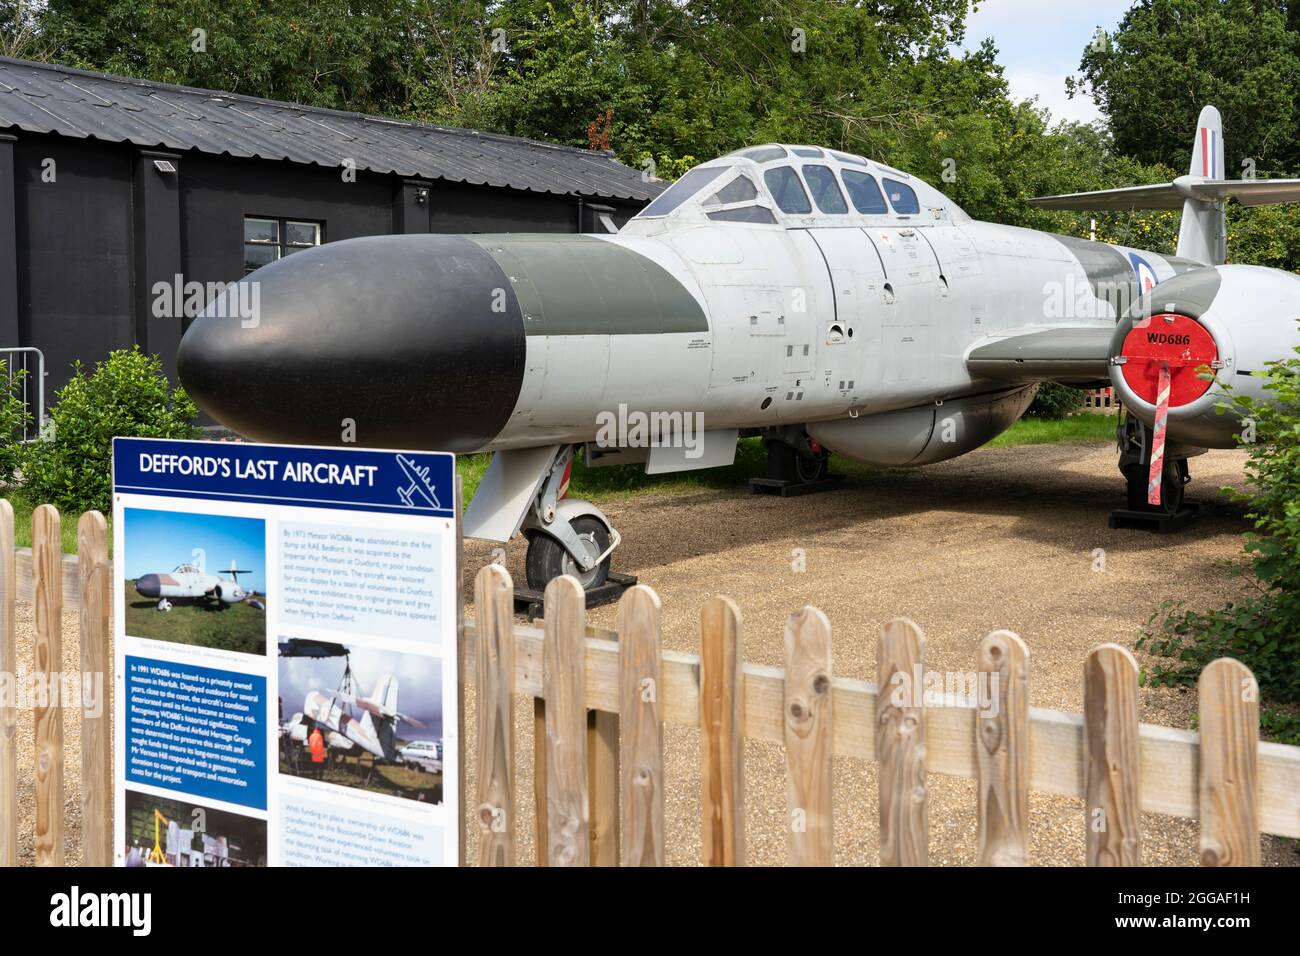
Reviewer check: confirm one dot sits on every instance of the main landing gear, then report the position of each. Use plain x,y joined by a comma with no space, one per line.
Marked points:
796,465
568,536
1174,511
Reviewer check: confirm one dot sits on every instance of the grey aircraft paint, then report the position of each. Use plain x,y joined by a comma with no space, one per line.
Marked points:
781,288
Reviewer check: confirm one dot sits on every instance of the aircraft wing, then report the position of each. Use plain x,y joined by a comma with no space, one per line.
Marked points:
1072,356
1248,192
1127,199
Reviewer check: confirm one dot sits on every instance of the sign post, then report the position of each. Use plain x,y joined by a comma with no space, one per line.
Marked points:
285,632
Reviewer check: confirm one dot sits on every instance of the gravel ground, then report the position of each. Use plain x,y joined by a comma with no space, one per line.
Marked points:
999,538
1002,538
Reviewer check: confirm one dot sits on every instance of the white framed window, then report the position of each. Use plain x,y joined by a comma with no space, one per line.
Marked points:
267,239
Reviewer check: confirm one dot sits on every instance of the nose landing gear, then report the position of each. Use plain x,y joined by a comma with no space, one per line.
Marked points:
568,536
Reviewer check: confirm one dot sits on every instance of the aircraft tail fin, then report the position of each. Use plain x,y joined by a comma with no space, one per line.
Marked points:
1203,231
385,695
1202,234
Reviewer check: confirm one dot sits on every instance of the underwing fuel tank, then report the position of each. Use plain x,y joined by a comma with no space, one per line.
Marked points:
925,434
1212,328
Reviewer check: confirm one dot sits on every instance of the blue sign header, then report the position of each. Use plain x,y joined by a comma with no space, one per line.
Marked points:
356,479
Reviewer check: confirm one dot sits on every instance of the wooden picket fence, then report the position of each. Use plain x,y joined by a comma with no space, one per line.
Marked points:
603,698
48,578
1101,400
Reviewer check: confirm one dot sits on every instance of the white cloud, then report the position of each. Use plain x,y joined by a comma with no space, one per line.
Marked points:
1049,88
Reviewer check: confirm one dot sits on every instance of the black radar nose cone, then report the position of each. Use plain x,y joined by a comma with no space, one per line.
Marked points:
396,341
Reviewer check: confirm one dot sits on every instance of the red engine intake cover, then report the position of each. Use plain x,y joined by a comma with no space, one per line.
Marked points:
1178,341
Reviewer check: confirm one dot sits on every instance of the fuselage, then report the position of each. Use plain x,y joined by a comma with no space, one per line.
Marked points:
774,286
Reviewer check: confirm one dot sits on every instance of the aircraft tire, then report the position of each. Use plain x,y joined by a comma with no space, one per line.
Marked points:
547,558
1172,485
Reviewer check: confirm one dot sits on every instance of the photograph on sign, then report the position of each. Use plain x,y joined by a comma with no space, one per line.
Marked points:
196,579
286,635
161,831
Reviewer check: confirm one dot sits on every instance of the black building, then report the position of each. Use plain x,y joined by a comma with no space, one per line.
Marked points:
113,190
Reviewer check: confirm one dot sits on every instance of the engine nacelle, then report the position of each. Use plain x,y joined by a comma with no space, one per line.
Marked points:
1212,328
927,433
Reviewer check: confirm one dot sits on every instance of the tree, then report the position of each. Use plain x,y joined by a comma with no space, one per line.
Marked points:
348,55
1169,58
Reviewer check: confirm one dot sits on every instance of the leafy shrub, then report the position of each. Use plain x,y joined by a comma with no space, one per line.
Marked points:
1055,401
1258,631
13,423
126,395
1263,630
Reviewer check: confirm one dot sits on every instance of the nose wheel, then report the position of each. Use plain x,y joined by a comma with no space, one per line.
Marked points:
548,559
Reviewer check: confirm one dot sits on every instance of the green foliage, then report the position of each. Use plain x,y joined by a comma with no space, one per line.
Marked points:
1278,726
1259,631
1169,58
1262,631
1055,401
349,55
13,423
126,395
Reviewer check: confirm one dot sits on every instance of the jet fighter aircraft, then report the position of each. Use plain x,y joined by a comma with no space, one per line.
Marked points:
189,582
374,732
813,296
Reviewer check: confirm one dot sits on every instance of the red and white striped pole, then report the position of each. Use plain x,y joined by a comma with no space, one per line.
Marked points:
1158,438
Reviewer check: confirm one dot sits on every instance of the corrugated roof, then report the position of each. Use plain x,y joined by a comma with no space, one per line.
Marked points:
45,98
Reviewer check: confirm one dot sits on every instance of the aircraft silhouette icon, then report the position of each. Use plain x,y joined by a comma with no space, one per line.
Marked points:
420,484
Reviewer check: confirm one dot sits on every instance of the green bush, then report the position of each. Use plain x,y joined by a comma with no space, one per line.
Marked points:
126,395
13,422
1263,630
1055,401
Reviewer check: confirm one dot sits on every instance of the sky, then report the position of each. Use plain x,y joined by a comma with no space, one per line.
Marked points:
419,684
157,541
1040,43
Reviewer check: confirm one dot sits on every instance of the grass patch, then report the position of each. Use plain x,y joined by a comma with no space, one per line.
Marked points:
1046,431
624,481
68,524
201,622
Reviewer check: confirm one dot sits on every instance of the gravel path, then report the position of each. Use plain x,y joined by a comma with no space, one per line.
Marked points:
1002,538
999,538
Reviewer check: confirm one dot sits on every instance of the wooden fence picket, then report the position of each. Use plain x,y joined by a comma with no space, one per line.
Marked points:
1002,748
900,745
567,842
642,742
97,677
1110,757
808,743
47,589
722,734
494,599
604,780
8,708
1229,773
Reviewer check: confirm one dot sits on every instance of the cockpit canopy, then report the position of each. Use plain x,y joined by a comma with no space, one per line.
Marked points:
799,186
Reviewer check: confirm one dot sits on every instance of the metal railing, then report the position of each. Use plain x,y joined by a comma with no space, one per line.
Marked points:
27,365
